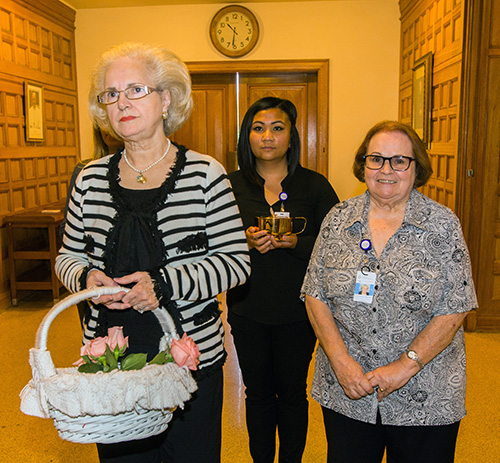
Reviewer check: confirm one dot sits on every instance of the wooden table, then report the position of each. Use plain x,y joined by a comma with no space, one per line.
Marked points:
47,218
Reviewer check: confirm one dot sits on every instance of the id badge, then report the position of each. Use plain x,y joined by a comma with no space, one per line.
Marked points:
365,286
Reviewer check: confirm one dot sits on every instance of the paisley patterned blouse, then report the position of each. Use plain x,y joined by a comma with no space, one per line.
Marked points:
424,271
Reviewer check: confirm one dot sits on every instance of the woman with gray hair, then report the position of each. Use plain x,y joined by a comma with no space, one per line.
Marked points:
161,220
390,369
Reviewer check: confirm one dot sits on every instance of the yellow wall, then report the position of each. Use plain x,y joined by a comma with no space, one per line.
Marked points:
360,38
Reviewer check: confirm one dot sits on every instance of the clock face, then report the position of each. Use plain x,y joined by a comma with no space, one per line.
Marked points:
234,31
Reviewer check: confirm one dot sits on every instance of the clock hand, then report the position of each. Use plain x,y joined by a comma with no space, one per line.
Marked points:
234,30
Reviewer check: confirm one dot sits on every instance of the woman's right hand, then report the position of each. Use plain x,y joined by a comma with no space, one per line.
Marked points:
351,377
112,301
258,239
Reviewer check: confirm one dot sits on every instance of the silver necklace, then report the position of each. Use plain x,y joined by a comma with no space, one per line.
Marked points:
140,177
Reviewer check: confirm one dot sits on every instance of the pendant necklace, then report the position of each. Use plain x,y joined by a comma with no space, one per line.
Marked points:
140,177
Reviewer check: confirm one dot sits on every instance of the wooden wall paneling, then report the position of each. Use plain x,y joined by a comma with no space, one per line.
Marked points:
444,129
435,26
37,44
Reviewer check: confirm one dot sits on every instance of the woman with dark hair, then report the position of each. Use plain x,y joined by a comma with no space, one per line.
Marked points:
273,338
390,369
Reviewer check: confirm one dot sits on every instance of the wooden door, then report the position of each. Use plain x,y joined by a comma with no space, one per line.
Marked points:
213,127
480,159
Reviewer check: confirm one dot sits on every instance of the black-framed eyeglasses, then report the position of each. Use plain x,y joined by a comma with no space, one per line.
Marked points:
134,92
397,163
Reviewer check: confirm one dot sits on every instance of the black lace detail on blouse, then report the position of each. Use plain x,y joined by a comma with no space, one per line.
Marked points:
89,244
193,243
210,311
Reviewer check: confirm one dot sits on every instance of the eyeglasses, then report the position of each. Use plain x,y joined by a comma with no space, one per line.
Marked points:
134,92
397,163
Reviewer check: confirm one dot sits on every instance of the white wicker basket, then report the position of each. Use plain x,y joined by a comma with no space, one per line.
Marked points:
104,407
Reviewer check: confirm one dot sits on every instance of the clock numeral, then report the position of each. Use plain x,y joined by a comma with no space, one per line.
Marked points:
247,23
235,15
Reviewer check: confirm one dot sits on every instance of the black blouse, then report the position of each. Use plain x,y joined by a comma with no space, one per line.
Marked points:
134,245
271,294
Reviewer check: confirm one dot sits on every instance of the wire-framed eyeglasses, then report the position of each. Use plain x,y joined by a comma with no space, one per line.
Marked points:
397,163
134,92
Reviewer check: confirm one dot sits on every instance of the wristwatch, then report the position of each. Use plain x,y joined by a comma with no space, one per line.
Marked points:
412,355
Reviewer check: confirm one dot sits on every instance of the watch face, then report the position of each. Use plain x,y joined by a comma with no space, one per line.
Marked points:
234,31
412,354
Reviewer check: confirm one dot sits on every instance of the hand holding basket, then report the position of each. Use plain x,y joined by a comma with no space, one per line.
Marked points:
104,407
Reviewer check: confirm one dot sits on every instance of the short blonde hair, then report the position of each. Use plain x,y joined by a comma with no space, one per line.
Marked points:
167,72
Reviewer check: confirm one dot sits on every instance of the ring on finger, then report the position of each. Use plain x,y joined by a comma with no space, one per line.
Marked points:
139,309
380,389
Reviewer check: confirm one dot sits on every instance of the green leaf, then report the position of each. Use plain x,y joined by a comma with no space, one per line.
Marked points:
90,368
161,358
86,359
111,361
134,362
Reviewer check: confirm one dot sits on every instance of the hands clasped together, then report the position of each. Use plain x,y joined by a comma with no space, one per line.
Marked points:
264,242
141,297
383,380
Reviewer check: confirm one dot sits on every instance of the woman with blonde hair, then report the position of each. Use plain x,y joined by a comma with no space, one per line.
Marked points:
161,220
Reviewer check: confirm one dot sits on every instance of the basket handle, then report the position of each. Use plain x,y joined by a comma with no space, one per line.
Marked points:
95,292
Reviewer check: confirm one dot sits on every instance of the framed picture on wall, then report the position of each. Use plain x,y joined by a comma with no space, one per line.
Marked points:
422,97
33,108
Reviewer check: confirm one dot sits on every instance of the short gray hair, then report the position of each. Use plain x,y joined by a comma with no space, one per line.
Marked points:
167,72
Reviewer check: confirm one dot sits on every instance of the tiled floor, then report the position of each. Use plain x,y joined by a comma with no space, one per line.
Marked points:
25,439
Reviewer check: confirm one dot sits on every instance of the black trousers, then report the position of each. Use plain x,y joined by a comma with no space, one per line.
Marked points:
353,441
274,361
193,435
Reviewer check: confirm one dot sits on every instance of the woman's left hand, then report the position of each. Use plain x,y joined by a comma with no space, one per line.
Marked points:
142,296
391,377
285,242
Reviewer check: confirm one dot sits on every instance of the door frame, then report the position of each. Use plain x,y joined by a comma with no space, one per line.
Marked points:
320,67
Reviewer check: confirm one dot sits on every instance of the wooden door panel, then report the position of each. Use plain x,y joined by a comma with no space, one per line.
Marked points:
204,131
479,163
488,274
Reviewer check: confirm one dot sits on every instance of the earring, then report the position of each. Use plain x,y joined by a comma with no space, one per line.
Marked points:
164,115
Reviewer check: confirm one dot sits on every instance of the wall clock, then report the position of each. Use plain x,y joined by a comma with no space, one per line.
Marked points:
234,31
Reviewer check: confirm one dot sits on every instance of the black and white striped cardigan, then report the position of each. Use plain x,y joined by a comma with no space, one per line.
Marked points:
201,230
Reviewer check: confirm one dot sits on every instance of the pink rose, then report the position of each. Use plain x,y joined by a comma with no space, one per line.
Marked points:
115,338
93,348
185,352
